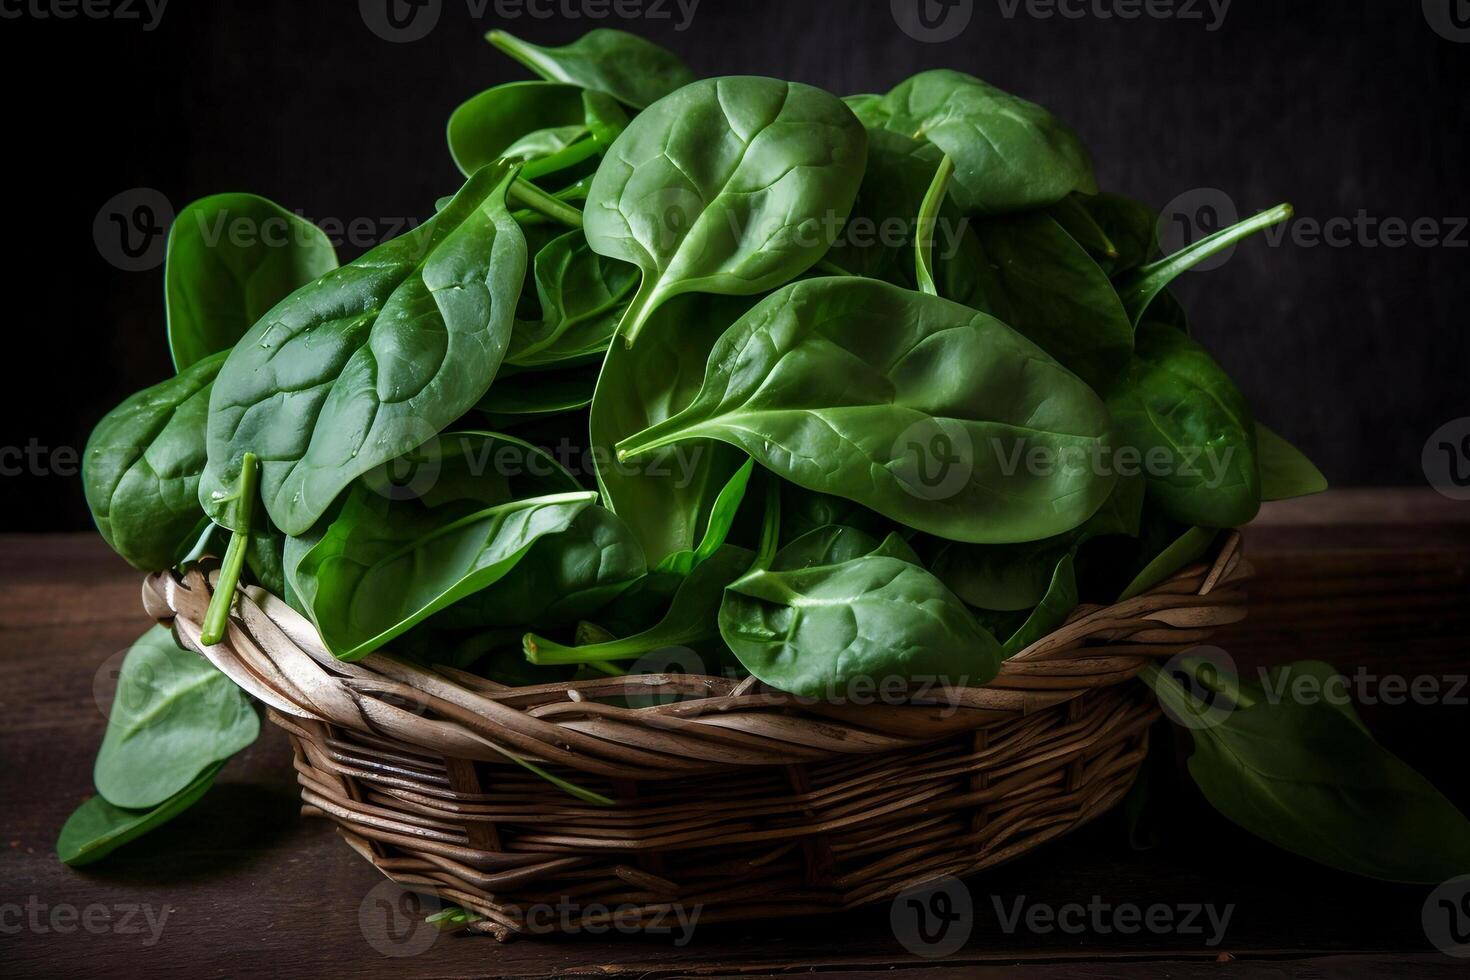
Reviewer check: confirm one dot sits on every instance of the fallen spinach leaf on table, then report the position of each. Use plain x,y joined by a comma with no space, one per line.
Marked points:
1308,777
97,828
173,716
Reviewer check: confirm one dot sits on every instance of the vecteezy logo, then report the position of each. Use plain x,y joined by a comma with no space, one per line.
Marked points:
1446,917
1193,215
1446,459
418,462
392,920
1449,18
935,458
131,229
400,21
933,919
1207,675
932,20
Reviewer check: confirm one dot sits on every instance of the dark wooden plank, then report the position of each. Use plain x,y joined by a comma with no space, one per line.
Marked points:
243,887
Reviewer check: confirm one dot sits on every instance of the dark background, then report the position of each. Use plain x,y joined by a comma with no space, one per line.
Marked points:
1357,352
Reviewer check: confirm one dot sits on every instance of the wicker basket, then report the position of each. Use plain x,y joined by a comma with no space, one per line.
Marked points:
732,797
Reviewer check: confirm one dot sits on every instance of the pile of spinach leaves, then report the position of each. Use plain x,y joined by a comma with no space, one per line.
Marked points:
650,380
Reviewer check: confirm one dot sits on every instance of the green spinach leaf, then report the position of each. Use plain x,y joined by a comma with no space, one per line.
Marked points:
97,828
858,388
729,185
1285,472
174,715
1307,776
230,258
629,68
369,361
1010,154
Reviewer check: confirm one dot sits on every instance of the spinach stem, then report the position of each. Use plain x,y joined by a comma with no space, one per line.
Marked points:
524,194
1140,289
217,617
928,218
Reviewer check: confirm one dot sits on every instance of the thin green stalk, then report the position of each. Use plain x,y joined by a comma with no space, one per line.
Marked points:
217,617
565,158
1140,289
928,218
524,194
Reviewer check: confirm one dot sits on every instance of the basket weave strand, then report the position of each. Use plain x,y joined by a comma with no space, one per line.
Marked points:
728,796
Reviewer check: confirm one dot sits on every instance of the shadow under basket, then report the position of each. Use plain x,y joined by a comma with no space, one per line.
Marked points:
729,796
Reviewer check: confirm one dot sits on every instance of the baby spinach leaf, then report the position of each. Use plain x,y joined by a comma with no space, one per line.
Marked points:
729,185
565,578
689,621
536,394
97,828
849,386
1285,472
717,528
141,468
368,361
1181,412
664,497
1139,289
490,125
373,577
1003,578
581,296
881,226
1078,220
1009,154
174,715
1051,612
1026,271
625,66
813,630
230,258
1306,776
1186,549
1131,228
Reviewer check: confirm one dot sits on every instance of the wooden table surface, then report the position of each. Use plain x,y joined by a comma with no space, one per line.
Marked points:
241,886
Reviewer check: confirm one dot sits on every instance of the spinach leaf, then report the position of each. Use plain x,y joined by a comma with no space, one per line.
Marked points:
142,464
729,185
581,296
1079,221
174,715
813,630
629,68
525,395
689,621
1139,289
1060,598
468,504
848,386
880,230
372,576
97,828
1189,547
1026,271
230,258
565,578
666,496
717,528
1309,778
368,361
1009,154
1131,228
1190,425
1285,472
492,124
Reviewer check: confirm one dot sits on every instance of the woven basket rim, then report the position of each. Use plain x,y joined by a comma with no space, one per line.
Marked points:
274,653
